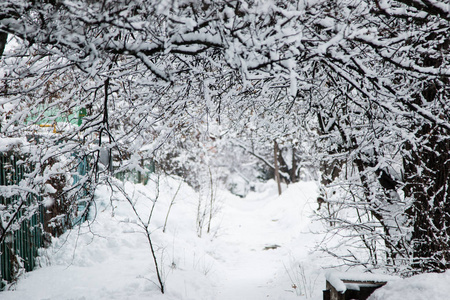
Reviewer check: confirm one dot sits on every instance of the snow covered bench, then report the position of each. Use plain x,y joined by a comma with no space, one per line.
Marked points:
347,286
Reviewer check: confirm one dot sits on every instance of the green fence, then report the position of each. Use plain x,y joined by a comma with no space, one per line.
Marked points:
19,248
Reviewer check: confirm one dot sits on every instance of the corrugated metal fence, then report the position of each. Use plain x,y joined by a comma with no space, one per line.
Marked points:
19,249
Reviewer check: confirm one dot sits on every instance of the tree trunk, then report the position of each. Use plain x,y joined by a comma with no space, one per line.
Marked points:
427,176
293,171
3,39
275,158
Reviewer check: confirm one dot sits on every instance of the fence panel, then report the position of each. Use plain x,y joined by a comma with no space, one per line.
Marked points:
19,249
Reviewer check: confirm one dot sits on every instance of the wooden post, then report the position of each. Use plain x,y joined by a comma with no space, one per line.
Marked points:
277,173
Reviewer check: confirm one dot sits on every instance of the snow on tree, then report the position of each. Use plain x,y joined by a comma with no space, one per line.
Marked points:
364,82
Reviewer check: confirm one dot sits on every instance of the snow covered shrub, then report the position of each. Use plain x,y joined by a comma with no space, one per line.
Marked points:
60,208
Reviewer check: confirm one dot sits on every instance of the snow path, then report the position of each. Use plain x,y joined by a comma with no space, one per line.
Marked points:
257,244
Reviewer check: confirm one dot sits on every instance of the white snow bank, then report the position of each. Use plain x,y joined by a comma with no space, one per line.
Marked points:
419,287
109,258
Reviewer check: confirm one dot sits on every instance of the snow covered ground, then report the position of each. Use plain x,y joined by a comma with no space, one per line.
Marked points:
425,286
259,247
